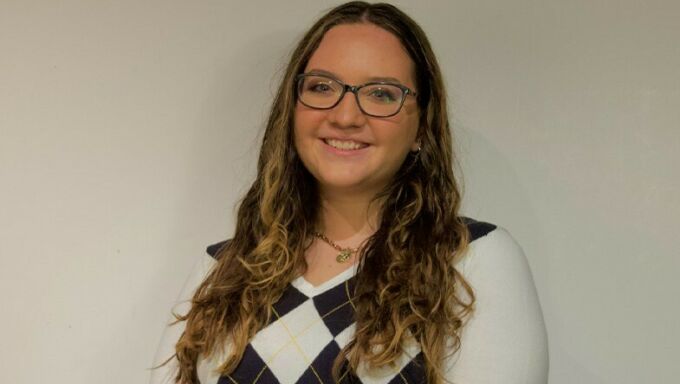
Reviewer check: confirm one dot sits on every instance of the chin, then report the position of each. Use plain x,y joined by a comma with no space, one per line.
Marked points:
351,185
342,184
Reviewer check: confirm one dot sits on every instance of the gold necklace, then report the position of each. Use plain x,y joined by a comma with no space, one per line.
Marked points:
345,253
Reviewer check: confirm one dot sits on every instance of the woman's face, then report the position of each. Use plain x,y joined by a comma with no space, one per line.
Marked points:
344,149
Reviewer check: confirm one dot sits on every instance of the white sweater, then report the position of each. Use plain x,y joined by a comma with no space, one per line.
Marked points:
504,340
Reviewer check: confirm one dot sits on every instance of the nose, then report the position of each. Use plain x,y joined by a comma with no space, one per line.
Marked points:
347,113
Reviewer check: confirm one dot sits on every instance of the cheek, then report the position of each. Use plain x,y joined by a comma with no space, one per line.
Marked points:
306,121
401,134
300,128
305,127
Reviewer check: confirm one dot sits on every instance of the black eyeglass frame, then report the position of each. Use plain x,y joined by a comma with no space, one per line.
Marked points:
406,91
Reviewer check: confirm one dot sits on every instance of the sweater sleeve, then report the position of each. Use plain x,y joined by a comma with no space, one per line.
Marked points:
166,348
505,339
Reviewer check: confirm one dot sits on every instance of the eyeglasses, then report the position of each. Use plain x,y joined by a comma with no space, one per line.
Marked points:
377,99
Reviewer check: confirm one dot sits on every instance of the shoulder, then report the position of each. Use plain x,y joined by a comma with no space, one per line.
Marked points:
491,246
173,330
495,265
505,339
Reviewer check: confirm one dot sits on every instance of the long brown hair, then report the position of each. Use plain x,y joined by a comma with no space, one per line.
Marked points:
407,288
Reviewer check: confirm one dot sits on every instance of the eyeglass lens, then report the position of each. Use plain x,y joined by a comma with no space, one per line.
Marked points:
374,99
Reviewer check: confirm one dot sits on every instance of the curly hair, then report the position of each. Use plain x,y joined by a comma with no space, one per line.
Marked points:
407,288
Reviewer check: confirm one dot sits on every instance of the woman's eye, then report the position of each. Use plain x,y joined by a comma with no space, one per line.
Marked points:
319,88
383,95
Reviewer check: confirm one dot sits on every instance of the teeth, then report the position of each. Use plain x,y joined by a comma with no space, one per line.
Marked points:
344,145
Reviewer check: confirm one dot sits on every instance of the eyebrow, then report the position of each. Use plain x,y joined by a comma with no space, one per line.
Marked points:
371,79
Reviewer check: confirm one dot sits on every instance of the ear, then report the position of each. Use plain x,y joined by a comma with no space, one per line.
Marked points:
415,147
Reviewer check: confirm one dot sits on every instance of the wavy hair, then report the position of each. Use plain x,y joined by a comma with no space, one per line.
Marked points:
407,288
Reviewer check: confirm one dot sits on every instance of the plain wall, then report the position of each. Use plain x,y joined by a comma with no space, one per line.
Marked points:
129,130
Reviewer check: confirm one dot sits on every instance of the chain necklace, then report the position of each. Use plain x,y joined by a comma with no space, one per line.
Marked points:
345,253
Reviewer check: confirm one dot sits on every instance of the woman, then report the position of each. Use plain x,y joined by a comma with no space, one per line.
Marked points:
349,261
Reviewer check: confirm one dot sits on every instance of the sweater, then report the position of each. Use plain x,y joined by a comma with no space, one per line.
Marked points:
504,340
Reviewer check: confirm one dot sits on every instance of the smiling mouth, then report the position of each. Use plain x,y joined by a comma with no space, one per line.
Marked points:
345,145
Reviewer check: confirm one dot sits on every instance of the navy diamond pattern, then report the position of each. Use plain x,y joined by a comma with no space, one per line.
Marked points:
251,369
306,334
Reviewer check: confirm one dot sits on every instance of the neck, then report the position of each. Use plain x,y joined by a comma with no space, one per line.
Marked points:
348,219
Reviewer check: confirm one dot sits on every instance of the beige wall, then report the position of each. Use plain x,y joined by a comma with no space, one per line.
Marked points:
128,131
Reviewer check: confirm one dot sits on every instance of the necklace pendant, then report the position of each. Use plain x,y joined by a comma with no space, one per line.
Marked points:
343,256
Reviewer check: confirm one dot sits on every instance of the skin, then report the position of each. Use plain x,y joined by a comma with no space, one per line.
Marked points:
348,180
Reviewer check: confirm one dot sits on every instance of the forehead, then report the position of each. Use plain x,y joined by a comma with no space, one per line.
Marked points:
357,53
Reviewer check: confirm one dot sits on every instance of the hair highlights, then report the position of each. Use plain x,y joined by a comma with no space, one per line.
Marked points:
407,290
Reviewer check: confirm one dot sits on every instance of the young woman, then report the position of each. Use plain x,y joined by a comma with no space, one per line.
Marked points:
350,262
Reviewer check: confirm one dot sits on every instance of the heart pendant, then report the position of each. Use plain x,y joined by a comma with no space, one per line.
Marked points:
343,256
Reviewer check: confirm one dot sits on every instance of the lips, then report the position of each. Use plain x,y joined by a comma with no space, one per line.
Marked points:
345,145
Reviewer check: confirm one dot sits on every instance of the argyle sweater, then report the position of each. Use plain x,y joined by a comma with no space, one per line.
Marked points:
310,327
311,324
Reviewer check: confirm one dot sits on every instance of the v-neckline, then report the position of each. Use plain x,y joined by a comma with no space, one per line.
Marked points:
311,290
